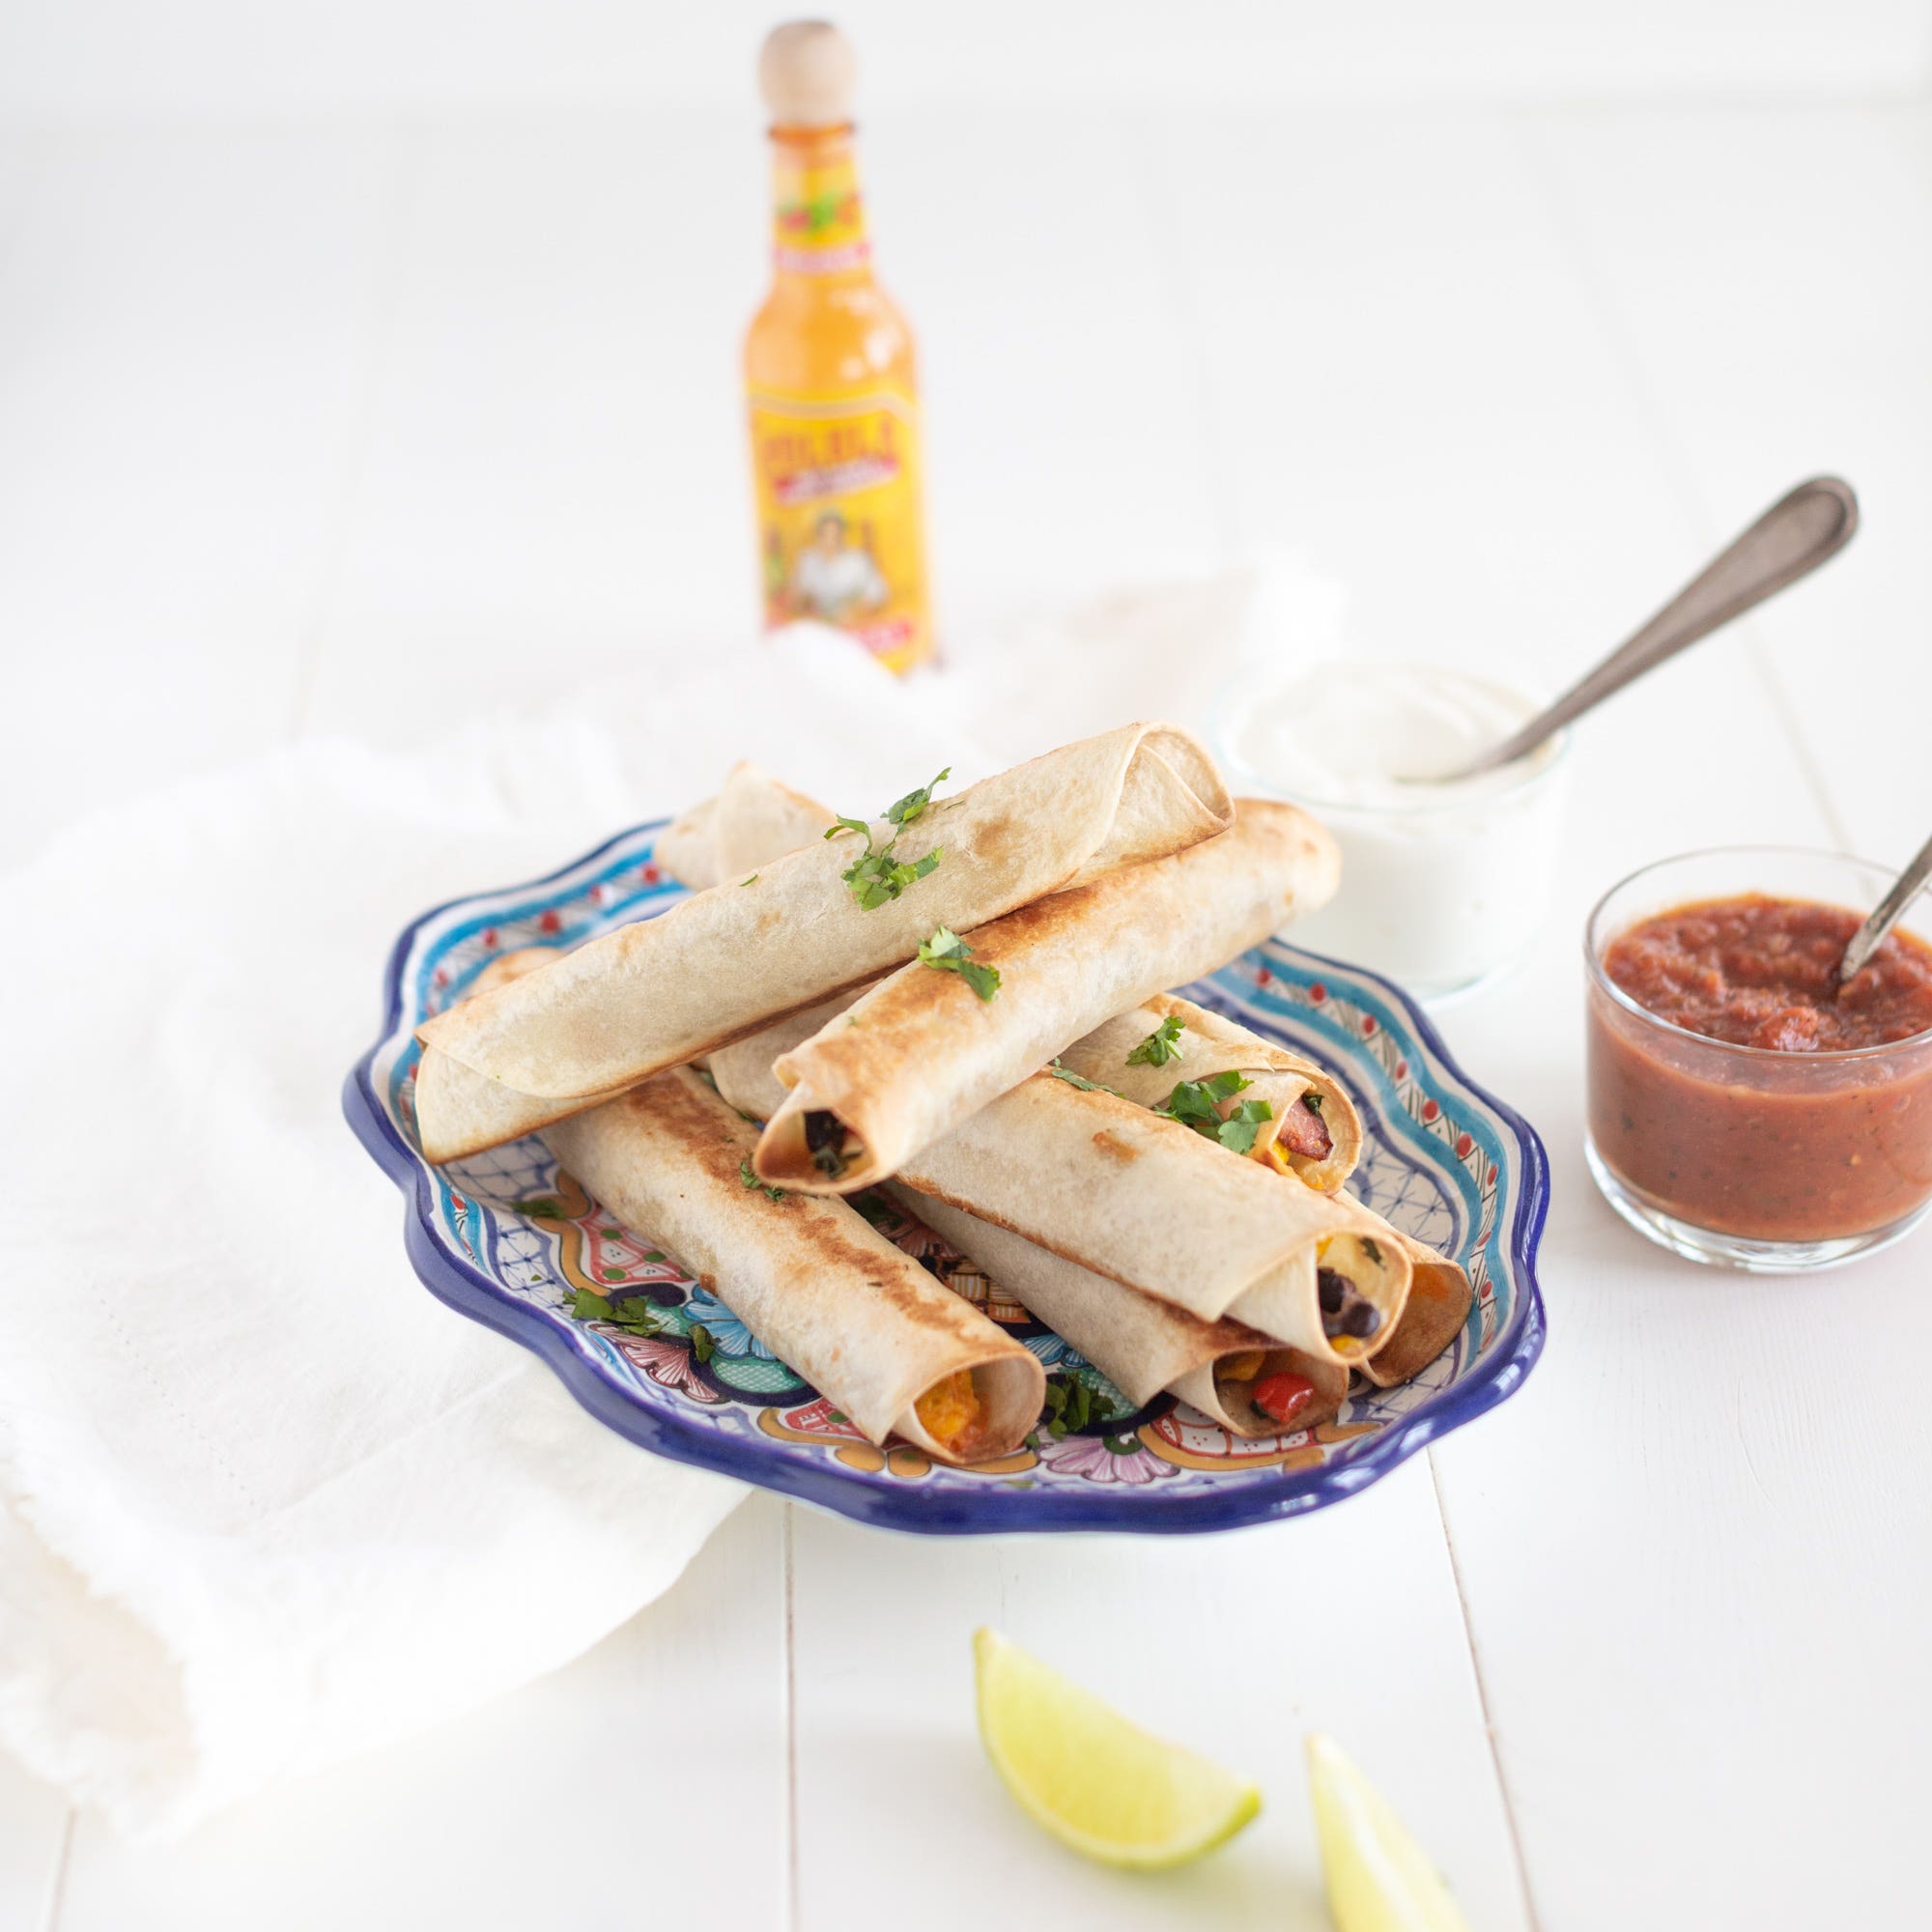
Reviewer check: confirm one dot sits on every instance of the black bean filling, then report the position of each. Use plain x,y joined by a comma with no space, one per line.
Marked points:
825,1142
1344,1309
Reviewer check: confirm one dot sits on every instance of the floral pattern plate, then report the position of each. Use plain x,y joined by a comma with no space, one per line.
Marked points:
507,1239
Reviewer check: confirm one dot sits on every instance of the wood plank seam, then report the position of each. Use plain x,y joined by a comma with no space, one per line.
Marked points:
1483,1702
56,1898
790,1695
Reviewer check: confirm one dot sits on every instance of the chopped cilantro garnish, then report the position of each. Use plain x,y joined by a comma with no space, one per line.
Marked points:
1373,1253
636,1317
1072,1079
876,875
1160,1046
902,811
751,1180
703,1345
1197,1104
1239,1131
1073,1404
951,953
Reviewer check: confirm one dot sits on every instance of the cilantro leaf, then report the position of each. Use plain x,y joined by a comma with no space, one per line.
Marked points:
703,1344
903,811
636,1317
1239,1131
950,953
1160,1046
1197,1104
1072,1079
751,1180
589,1307
877,874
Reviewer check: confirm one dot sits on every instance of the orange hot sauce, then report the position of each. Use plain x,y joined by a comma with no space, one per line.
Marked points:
829,376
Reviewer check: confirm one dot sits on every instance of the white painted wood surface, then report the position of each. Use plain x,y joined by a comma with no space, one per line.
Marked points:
443,408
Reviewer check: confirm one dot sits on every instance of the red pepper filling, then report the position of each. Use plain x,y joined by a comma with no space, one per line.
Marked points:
1283,1397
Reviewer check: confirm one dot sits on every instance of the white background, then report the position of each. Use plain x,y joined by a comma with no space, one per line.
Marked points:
360,366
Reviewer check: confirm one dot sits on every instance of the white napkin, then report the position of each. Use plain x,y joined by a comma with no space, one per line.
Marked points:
263,1503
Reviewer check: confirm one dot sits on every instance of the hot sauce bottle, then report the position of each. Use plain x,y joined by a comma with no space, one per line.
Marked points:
829,378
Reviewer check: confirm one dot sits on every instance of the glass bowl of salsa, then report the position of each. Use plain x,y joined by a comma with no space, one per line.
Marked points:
1741,1109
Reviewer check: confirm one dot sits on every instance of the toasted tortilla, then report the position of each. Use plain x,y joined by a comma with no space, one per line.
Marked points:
753,818
923,1051
1155,1205
742,954
834,1301
1209,1044
1439,1292
1440,1295
1144,1347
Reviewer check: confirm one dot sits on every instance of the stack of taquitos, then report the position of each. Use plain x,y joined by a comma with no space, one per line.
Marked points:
918,1076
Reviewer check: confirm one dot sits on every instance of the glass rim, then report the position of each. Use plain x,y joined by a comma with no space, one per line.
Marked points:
1829,1056
1554,752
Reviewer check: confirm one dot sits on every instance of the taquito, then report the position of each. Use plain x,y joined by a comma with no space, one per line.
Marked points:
1142,1346
1439,1292
753,819
834,1301
746,953
1440,1295
1157,1205
923,1050
1312,1128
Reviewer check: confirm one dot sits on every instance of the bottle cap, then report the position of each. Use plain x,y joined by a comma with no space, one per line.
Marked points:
807,71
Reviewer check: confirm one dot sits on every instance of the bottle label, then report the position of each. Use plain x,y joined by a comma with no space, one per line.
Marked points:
818,221
838,519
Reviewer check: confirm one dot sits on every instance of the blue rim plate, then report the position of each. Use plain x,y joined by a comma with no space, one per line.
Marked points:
508,1240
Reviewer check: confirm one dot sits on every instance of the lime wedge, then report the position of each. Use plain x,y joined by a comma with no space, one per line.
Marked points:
1098,1784
1379,1879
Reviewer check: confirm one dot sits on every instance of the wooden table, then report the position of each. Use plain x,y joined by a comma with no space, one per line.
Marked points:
293,416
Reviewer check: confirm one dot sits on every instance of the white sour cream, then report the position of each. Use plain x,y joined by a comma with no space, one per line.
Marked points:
1442,884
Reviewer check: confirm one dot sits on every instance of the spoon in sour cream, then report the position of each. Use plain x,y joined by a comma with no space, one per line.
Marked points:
1798,534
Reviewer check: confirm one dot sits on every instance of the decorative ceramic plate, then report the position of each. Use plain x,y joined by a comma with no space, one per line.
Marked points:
508,1239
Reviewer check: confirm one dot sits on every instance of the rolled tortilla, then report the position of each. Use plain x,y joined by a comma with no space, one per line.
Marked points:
921,1051
1439,1293
828,1295
742,954
1313,1128
1154,1205
1142,1346
754,819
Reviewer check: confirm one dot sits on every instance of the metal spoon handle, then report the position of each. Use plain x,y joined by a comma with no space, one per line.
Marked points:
1871,935
1794,536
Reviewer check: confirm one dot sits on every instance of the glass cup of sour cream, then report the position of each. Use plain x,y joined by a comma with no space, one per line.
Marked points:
1443,884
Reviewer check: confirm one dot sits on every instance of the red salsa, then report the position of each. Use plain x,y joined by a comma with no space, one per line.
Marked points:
1793,1143
1763,972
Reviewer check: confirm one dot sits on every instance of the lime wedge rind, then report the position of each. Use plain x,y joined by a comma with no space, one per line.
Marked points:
1089,1777
1378,1878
